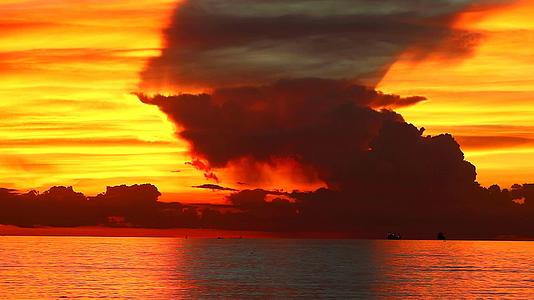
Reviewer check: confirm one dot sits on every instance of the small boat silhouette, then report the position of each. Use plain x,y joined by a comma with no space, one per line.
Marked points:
394,236
441,236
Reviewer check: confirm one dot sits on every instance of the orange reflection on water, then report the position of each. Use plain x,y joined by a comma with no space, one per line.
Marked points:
455,269
86,267
178,268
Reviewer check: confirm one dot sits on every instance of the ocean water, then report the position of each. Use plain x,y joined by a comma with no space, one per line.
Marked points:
175,268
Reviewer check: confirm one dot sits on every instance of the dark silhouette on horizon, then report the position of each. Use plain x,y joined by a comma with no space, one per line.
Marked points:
394,236
324,210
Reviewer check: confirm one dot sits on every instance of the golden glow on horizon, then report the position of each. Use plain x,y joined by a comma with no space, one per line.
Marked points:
486,100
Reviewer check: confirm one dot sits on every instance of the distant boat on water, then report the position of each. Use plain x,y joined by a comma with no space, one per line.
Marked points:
394,236
441,236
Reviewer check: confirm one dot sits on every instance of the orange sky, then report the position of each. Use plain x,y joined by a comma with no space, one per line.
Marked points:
67,70
486,100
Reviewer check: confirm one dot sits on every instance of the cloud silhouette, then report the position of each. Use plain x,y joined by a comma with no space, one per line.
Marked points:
131,206
487,212
213,44
477,212
313,120
214,187
323,124
204,167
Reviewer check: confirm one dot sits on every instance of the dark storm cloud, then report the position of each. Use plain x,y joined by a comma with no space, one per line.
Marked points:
235,42
313,120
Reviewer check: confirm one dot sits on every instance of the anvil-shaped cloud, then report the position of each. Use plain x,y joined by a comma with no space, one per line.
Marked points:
213,44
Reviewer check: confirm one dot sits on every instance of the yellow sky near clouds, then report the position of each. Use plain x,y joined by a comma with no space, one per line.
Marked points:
486,100
67,70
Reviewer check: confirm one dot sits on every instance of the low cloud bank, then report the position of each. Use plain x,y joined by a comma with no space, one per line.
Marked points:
488,213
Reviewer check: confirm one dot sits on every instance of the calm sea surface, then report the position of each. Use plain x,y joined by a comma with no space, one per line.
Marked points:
170,268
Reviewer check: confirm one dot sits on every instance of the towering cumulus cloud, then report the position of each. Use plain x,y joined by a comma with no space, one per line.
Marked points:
295,80
316,121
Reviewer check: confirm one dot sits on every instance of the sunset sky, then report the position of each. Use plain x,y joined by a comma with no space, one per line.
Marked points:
68,71
486,99
180,148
